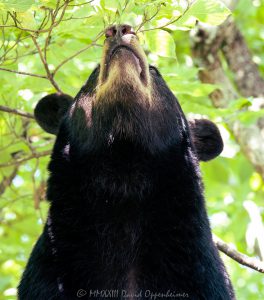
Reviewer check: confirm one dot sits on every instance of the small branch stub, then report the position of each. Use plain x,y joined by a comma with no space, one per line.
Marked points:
241,258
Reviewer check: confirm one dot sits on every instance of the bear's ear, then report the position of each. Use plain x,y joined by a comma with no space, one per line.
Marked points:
50,110
206,138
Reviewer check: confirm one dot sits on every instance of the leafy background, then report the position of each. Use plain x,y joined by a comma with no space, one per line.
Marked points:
71,45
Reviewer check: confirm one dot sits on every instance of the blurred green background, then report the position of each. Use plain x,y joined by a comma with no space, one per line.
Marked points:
62,41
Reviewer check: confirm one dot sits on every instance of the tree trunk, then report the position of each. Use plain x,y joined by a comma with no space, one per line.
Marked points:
208,43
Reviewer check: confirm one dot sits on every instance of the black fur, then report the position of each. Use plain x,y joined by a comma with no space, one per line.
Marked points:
207,139
127,205
51,110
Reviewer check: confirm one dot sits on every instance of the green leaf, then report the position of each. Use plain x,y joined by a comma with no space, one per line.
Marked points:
16,5
26,20
49,3
161,43
212,12
240,103
250,117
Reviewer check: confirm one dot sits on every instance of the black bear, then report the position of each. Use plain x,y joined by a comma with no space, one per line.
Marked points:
127,217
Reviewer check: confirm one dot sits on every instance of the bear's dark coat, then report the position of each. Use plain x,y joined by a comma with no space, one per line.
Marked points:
127,213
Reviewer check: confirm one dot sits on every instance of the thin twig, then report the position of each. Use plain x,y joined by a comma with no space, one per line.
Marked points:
80,4
16,112
33,31
76,18
14,59
53,17
22,160
6,51
148,19
45,64
7,180
77,53
54,23
241,258
168,23
23,73
45,18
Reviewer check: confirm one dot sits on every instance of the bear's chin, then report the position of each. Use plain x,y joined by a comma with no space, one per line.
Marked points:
126,58
124,83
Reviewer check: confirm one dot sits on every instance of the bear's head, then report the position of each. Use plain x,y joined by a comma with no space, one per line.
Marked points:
125,101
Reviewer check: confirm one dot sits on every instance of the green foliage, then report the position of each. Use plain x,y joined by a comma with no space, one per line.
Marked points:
70,37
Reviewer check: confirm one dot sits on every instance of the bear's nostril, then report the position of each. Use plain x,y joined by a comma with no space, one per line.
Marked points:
110,32
119,31
126,29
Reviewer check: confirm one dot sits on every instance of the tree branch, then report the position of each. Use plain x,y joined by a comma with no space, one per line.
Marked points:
208,43
239,59
22,160
16,112
40,30
80,4
23,73
239,257
45,64
77,53
148,19
7,180
173,20
54,23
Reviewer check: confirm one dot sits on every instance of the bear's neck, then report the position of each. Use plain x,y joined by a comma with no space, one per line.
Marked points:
134,121
125,177
119,206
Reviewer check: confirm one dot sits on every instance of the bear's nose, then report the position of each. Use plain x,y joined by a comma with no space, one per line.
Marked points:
119,31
